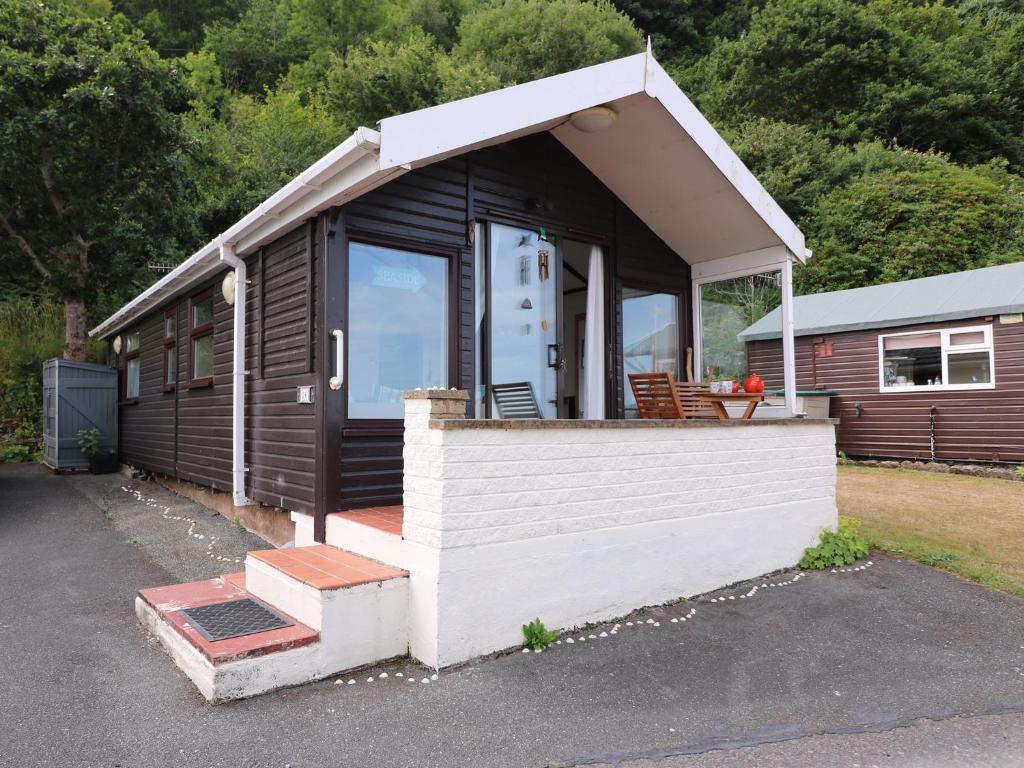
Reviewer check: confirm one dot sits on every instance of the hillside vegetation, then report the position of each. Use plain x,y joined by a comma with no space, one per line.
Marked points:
891,131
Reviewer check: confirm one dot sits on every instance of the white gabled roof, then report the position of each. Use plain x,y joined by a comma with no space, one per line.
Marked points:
956,296
661,157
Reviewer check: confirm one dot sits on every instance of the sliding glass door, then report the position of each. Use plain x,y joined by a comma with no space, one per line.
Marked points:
523,342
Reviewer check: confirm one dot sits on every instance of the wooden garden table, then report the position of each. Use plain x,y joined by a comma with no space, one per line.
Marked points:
718,401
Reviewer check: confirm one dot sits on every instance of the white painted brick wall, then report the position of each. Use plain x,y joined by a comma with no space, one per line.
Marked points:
576,524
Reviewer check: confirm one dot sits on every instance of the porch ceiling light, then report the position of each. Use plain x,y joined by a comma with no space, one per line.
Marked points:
593,119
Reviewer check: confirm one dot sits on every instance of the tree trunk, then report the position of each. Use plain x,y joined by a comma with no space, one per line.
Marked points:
74,329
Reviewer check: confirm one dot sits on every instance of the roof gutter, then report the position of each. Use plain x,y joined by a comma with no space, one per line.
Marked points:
258,223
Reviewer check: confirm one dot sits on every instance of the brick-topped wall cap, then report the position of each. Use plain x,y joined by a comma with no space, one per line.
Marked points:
436,394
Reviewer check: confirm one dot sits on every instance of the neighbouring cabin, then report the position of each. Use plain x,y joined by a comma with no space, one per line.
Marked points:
927,369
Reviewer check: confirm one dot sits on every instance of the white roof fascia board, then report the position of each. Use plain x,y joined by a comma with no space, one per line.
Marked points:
663,88
304,195
422,137
353,181
742,264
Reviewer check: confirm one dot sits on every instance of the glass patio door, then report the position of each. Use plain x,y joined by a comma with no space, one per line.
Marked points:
524,341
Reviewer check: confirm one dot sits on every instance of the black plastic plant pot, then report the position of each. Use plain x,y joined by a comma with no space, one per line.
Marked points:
103,463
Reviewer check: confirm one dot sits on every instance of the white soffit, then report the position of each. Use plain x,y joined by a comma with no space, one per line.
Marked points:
661,157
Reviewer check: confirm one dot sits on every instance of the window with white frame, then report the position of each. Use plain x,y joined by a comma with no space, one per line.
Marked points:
949,358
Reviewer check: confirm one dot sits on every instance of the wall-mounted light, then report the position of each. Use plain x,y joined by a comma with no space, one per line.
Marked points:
116,344
227,288
593,119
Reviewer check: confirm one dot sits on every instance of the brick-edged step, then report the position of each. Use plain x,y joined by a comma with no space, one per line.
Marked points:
375,532
235,667
359,606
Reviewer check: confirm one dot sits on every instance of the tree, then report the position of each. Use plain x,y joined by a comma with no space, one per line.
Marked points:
90,154
901,223
795,164
440,18
255,51
521,40
918,75
251,148
174,27
388,78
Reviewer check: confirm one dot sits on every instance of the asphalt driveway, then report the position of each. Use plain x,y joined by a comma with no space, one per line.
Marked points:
800,670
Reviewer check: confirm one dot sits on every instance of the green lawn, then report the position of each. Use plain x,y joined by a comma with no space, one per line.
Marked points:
971,526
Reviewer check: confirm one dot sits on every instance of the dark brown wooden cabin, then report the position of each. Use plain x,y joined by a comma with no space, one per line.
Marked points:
455,247
184,429
975,415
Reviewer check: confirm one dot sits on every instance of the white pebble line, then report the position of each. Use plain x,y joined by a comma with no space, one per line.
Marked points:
381,676
165,513
583,638
692,612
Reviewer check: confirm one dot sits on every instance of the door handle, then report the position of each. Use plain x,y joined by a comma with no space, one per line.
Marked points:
339,359
556,357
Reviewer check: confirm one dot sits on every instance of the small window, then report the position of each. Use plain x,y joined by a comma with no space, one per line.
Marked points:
201,338
398,328
957,358
170,349
131,366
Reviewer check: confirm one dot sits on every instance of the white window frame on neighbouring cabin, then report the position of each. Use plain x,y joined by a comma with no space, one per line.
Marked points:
945,349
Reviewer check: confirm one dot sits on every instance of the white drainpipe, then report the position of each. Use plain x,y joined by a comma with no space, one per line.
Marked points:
238,372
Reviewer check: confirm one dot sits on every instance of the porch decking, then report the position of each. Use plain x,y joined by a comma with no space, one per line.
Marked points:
385,519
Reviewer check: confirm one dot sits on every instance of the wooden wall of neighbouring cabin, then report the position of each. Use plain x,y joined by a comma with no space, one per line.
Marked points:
533,181
186,433
970,425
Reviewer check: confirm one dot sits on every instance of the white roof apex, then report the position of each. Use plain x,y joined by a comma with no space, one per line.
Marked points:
661,156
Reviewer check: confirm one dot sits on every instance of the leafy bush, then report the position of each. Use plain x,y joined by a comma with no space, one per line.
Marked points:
15,454
31,332
1020,471
536,636
88,441
839,547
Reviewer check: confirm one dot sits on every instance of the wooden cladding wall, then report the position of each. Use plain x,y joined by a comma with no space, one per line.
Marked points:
186,432
970,425
146,426
533,182
280,446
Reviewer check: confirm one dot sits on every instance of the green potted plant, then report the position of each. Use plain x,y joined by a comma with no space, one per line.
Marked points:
101,460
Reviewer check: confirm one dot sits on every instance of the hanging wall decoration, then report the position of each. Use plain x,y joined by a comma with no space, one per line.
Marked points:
543,257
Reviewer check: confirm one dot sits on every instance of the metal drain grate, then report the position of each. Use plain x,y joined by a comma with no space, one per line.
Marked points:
233,619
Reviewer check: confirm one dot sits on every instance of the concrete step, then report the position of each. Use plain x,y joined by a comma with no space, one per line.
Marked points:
359,606
375,533
372,532
234,667
346,612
